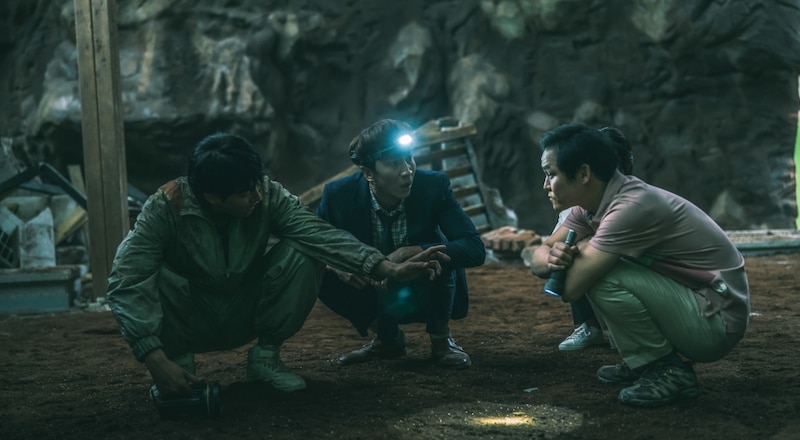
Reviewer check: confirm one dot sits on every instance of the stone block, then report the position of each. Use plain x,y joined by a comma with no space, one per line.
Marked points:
37,290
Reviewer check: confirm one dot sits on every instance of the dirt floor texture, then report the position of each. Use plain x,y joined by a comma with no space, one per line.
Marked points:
71,376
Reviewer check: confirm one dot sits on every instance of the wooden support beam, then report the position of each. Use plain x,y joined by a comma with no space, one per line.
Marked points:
103,135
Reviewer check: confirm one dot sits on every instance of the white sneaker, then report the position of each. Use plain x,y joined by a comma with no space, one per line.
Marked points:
583,336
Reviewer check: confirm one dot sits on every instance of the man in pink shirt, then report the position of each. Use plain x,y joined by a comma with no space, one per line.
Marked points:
662,274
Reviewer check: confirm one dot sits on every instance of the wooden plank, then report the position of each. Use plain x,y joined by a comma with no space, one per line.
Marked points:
431,133
436,155
458,171
483,228
76,178
71,226
766,241
474,209
103,135
465,190
74,221
312,196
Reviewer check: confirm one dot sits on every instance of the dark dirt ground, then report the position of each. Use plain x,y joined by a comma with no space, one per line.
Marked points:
70,375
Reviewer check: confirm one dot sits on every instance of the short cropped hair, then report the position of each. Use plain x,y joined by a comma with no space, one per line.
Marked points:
223,164
578,144
379,137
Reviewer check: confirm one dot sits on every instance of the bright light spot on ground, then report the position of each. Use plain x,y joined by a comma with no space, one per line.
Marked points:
498,421
515,419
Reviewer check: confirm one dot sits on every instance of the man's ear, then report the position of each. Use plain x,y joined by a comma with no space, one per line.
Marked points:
585,173
367,173
212,200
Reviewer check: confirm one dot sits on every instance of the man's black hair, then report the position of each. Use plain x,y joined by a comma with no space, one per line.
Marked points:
378,138
624,150
223,164
578,144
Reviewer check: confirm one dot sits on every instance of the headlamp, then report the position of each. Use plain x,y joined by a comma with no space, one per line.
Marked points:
401,146
405,140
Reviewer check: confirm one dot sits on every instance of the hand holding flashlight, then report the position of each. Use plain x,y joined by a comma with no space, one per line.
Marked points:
555,284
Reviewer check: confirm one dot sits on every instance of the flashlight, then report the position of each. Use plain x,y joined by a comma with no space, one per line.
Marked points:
555,284
204,402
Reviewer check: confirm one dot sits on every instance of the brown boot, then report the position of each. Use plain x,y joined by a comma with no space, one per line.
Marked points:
448,355
376,349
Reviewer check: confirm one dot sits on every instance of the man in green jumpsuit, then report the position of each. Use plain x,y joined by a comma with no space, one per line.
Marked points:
199,272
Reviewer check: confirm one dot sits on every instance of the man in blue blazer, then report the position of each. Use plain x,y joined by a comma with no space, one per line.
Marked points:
400,210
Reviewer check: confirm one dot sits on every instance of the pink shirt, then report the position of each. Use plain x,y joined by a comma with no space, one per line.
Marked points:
672,236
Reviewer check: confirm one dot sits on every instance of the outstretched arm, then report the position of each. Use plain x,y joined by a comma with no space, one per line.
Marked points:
424,263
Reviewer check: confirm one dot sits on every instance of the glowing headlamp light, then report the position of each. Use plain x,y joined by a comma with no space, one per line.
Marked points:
402,145
405,140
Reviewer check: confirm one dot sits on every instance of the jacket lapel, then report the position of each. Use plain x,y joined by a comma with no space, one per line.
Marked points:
361,218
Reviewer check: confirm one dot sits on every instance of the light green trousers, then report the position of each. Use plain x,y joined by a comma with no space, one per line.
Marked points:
649,315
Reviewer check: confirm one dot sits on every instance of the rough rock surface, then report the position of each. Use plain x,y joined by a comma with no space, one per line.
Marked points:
706,90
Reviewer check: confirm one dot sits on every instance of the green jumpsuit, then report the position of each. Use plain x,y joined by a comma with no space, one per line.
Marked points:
182,283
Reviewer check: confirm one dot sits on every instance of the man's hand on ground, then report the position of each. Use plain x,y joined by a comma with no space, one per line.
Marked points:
170,378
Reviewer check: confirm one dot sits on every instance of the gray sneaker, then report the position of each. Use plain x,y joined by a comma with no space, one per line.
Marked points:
264,365
661,384
583,336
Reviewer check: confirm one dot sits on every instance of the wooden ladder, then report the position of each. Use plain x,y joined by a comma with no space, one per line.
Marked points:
444,145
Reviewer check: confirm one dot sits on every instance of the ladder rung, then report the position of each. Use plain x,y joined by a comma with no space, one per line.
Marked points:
459,171
475,209
440,154
465,191
483,228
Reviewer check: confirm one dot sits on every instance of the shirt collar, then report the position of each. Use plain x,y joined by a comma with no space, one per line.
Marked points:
613,187
378,208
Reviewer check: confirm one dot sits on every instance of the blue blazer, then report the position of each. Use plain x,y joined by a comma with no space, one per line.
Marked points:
434,217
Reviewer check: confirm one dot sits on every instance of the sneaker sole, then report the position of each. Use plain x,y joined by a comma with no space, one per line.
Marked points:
626,382
577,347
681,396
571,347
291,389
616,382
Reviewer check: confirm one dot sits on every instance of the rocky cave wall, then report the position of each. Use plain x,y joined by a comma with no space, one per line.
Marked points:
706,90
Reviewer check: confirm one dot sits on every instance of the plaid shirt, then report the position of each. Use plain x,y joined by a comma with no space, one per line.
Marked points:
399,222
